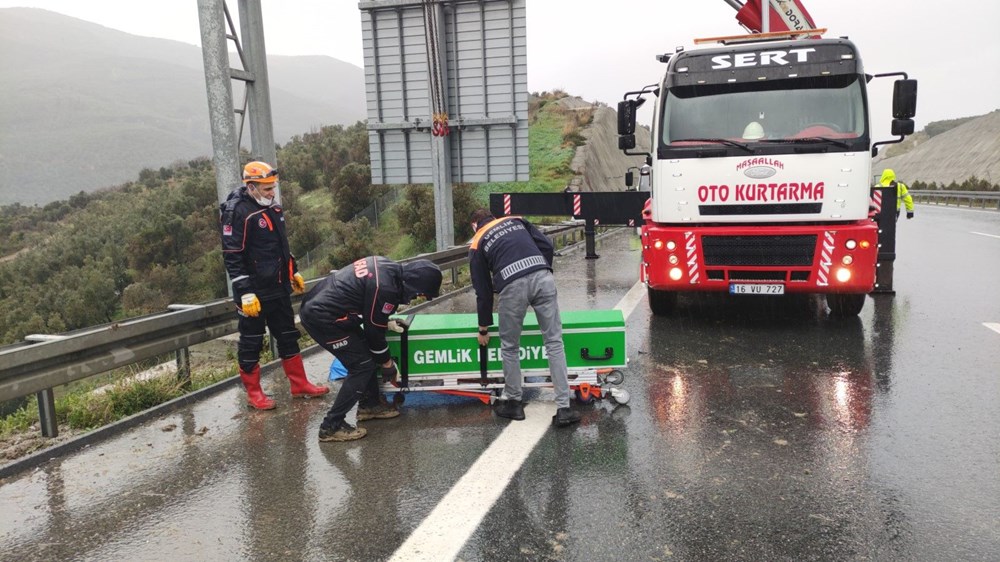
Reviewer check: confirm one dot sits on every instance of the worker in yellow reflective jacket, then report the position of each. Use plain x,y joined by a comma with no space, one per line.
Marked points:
902,193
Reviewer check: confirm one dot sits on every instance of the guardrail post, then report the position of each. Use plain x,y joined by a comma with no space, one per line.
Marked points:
47,413
589,231
184,367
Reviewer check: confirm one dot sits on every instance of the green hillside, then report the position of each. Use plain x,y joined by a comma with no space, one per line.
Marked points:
135,248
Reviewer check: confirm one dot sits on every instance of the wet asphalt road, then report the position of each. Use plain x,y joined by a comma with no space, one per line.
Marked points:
757,430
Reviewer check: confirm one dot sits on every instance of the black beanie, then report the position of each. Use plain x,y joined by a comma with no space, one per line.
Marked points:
421,277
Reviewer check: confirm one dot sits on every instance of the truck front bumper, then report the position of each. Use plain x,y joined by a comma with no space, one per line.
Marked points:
789,259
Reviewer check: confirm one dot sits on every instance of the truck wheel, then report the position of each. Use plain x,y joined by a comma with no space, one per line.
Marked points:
845,305
662,303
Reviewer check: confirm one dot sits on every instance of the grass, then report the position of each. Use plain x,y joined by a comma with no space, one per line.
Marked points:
84,409
549,158
315,199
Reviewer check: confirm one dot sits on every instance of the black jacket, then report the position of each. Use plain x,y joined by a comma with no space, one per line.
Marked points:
503,250
365,294
255,247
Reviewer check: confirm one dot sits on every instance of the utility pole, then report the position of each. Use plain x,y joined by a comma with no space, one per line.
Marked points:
216,28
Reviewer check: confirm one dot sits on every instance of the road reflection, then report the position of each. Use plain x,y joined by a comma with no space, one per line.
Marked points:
821,370
762,412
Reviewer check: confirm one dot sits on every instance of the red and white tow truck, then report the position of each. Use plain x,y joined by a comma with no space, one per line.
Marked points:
761,160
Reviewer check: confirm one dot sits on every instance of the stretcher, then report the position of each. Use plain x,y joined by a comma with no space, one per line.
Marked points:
441,353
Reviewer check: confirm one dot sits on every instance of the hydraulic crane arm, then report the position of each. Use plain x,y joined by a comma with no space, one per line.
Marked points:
784,15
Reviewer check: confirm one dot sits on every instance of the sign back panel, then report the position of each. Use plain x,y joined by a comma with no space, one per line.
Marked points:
484,67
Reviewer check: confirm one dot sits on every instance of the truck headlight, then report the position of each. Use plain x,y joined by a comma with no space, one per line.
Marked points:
843,275
675,273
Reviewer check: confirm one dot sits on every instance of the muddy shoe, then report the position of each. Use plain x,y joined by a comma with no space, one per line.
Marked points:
343,432
510,409
565,417
379,412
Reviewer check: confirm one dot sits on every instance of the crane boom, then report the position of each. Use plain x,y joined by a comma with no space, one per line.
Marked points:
784,15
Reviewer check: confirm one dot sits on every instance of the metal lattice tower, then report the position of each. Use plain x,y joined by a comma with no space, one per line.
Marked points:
216,30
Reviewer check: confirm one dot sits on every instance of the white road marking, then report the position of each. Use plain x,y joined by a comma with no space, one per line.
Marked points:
447,528
631,299
995,326
984,234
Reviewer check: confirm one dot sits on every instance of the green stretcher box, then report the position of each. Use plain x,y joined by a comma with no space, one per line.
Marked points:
447,344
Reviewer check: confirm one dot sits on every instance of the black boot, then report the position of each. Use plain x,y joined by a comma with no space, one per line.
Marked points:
510,409
565,417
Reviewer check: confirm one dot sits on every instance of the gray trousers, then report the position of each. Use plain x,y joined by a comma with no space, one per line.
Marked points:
538,290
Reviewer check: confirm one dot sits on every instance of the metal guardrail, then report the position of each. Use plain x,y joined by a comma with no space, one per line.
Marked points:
42,362
971,199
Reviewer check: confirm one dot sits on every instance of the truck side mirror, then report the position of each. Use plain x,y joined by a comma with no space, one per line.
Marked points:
626,117
904,99
902,127
626,142
628,178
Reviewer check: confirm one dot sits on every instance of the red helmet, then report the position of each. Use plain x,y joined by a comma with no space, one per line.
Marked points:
259,172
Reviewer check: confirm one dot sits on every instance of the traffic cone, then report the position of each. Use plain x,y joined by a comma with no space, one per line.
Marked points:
300,385
255,396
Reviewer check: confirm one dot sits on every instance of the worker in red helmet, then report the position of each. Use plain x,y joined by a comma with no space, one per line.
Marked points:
263,275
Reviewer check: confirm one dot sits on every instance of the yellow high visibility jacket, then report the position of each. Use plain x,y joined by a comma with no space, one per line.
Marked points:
902,193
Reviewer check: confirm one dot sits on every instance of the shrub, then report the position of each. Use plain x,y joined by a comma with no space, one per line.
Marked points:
124,398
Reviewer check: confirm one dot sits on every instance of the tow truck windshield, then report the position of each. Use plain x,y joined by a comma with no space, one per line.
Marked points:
828,109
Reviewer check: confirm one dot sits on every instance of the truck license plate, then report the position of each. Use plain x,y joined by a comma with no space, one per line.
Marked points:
756,288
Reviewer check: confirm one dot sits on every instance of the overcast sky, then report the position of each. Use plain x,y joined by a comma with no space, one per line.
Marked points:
598,49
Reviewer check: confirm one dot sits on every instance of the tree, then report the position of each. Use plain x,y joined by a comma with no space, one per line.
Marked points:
140,298
162,243
306,231
356,240
353,191
464,203
416,215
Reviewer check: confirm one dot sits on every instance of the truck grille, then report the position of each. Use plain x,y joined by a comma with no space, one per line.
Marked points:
759,250
769,275
765,209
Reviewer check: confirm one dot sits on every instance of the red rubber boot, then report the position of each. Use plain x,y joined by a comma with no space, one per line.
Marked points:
255,396
300,385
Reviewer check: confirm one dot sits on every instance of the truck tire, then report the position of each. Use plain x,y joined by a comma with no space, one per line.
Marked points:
661,303
845,305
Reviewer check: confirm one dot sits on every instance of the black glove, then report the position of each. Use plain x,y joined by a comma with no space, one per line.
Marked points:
389,373
909,214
